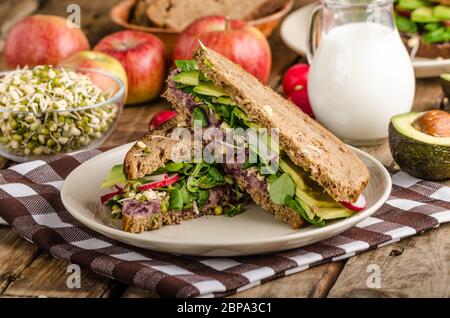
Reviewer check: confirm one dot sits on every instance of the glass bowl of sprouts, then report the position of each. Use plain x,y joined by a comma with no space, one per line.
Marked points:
46,111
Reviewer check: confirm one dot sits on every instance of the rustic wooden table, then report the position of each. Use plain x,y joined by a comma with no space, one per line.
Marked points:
416,267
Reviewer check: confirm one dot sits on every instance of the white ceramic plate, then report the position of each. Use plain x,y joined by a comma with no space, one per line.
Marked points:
294,32
253,232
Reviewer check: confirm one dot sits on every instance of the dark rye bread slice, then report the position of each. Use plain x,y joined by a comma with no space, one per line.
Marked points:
138,163
329,161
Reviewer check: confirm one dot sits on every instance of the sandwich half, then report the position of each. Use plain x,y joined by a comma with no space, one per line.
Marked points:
318,178
151,190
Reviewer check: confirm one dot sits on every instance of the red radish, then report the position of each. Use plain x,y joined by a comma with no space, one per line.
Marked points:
160,184
157,178
160,118
300,98
358,206
296,78
105,198
446,23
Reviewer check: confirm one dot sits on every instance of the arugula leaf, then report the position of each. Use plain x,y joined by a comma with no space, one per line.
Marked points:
200,116
186,65
176,200
281,188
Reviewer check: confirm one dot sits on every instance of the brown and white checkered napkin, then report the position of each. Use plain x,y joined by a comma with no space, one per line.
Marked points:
30,203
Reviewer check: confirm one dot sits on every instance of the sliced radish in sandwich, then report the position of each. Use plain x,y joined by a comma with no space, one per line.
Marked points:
107,197
157,178
357,206
161,184
160,118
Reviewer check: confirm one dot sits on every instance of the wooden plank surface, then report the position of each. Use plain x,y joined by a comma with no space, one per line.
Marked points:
415,267
26,271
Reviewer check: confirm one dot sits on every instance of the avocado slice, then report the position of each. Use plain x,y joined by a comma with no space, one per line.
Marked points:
334,213
304,191
226,101
187,78
115,176
424,15
441,12
418,154
412,4
209,89
288,166
309,212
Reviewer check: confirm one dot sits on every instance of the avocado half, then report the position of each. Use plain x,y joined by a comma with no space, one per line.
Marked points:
418,154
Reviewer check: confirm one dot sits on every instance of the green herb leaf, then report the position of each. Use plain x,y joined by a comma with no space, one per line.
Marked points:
272,178
437,36
247,165
294,205
200,116
432,26
174,166
176,200
217,176
233,210
405,25
203,197
186,65
281,188
187,196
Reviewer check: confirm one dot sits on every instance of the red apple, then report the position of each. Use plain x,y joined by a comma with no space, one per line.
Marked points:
144,58
100,61
42,39
235,39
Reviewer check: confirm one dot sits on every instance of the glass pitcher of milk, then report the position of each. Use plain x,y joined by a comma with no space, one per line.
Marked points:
361,74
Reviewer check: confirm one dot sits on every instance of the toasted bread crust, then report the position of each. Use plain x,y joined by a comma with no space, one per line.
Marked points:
309,145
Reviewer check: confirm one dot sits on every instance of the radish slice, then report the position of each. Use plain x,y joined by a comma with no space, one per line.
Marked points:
358,206
157,178
105,198
160,118
160,184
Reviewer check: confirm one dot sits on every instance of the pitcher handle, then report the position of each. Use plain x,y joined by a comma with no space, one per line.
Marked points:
312,39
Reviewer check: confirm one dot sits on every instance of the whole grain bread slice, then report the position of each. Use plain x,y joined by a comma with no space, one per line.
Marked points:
309,145
178,14
151,151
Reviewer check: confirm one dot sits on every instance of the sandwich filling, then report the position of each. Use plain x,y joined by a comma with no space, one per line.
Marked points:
290,186
173,193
